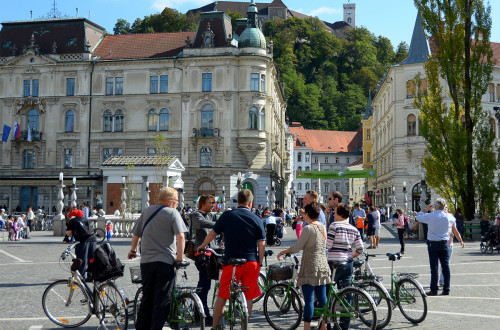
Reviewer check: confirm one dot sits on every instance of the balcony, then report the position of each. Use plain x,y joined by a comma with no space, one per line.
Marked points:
205,132
35,135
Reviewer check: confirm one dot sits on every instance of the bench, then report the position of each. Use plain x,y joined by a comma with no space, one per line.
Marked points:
471,229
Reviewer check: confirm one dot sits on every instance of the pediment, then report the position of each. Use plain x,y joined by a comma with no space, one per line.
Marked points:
30,59
176,165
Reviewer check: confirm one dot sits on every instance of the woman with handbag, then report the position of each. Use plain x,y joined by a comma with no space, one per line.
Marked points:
202,222
314,272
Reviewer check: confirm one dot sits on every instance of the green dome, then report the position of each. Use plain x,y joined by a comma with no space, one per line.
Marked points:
252,37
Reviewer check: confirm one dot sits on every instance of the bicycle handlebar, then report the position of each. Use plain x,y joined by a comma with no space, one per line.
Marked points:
295,259
210,250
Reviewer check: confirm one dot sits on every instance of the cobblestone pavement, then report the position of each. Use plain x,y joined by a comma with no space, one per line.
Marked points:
28,266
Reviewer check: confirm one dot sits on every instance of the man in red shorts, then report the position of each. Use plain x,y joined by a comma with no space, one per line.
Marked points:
244,237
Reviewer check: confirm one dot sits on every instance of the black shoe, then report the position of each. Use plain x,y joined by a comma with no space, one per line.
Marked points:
445,293
208,321
431,294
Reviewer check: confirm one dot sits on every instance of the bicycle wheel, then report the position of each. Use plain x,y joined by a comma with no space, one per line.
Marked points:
411,300
354,309
482,247
188,312
261,282
237,314
66,304
100,234
277,241
277,307
382,301
111,308
137,303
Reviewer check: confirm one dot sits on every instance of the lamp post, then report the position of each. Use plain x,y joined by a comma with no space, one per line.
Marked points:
73,193
393,198
273,196
147,193
405,197
223,198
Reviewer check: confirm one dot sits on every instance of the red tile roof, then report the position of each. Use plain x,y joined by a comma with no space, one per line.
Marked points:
327,141
142,45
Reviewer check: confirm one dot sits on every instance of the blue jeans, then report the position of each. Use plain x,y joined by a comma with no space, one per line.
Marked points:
450,251
309,291
204,283
439,253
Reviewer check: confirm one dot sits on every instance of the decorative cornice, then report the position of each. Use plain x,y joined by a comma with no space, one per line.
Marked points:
185,97
8,102
85,100
30,103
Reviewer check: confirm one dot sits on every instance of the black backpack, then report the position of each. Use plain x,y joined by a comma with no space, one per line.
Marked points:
105,265
82,230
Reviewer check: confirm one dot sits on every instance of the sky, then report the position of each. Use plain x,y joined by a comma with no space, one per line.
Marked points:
393,19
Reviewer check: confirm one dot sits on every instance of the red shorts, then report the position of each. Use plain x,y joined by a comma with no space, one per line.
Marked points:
248,274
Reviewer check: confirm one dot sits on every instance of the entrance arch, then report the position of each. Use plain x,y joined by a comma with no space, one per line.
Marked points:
206,188
416,192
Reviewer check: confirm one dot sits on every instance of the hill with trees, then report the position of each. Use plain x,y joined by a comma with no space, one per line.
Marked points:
327,80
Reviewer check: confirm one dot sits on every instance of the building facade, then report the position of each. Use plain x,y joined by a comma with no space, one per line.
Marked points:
211,98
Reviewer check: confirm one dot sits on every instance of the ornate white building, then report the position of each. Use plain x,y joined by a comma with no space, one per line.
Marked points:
397,145
213,94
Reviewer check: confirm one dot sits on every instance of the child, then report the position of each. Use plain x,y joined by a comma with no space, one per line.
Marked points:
109,229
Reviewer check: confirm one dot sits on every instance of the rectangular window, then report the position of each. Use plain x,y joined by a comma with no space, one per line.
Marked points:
28,158
151,151
153,84
27,88
263,83
254,82
119,86
117,152
68,158
163,84
109,86
34,86
207,82
347,161
70,86
368,134
106,153
368,157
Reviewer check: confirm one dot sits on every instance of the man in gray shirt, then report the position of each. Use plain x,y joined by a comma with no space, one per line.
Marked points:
161,231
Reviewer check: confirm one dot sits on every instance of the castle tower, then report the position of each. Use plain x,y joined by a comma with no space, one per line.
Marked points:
350,14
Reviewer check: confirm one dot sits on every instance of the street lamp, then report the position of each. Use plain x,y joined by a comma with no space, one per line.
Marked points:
423,193
267,196
273,196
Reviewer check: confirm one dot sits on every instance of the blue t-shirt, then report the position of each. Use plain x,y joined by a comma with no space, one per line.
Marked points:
242,229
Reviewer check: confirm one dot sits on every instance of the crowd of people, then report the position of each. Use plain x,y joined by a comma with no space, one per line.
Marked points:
18,227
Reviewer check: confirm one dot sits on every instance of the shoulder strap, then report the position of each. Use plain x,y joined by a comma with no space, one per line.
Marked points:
151,218
320,231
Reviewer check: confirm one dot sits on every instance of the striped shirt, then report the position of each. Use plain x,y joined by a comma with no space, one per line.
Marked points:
341,236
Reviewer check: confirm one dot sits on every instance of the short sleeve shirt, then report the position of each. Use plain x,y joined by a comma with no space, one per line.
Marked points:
158,242
242,230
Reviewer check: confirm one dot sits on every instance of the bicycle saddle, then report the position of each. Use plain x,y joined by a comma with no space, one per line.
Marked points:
337,264
268,253
77,263
358,263
182,264
236,261
394,256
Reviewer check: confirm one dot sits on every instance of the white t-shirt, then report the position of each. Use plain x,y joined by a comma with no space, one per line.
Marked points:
271,220
377,223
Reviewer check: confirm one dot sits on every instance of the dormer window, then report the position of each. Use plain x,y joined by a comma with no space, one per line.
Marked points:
208,37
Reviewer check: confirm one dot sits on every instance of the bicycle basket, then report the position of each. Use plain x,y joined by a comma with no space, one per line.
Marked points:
135,274
280,272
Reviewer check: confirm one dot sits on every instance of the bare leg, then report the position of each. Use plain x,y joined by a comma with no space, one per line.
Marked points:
377,240
250,305
218,310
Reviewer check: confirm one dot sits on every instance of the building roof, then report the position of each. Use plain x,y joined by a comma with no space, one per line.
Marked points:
327,141
419,47
138,161
358,161
142,45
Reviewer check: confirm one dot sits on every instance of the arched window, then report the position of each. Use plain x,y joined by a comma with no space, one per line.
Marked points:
299,157
118,121
308,186
205,157
107,121
308,158
299,168
308,168
152,120
412,125
32,120
207,120
253,118
69,122
263,120
300,186
164,118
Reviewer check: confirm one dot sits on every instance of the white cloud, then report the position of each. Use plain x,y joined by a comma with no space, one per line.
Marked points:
325,10
159,5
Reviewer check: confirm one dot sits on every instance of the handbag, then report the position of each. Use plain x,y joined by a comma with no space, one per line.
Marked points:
189,248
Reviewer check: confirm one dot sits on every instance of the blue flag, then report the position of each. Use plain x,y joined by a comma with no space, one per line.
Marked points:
6,133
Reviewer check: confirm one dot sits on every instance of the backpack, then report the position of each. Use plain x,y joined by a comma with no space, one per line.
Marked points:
82,230
105,265
406,222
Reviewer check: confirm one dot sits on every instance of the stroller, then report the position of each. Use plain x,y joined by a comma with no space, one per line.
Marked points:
278,234
490,240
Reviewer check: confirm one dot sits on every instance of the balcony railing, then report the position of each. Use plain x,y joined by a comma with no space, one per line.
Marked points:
205,132
35,135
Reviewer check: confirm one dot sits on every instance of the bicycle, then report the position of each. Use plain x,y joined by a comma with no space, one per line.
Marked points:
235,314
350,305
264,281
186,310
282,302
71,302
371,283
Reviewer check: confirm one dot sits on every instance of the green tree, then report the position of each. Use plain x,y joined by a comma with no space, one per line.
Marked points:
234,16
460,141
121,27
401,52
385,51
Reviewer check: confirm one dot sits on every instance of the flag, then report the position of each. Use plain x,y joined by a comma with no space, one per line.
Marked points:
6,133
28,136
17,131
